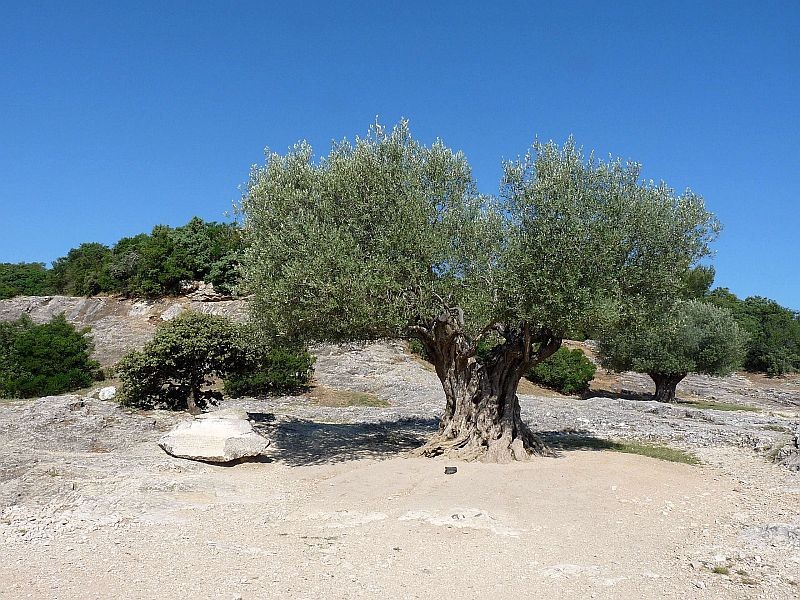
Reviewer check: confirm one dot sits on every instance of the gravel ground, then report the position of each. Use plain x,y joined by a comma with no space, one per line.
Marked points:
90,507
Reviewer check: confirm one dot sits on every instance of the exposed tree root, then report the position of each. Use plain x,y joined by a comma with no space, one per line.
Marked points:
473,448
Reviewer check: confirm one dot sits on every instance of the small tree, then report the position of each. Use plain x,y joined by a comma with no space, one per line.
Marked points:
386,237
694,337
183,357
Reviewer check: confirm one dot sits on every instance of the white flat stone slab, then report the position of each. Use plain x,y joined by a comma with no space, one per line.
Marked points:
218,437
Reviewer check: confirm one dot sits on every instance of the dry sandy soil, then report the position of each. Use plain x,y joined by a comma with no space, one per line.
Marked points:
90,507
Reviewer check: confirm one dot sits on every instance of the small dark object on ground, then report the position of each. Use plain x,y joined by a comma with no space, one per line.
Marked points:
450,470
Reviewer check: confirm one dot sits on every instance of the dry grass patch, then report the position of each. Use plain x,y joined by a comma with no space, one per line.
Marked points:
323,396
588,442
712,405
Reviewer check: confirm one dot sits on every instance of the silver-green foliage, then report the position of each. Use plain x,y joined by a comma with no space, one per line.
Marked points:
371,238
694,337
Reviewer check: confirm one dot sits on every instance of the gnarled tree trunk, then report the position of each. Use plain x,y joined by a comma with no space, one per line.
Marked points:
482,412
665,386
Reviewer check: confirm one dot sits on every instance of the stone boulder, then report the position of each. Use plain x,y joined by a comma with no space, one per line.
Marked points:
218,437
107,393
205,292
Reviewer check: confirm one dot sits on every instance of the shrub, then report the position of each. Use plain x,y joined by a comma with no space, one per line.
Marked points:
567,371
278,370
44,360
174,369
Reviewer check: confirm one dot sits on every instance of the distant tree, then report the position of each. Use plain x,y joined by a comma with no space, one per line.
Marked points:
209,250
43,360
694,337
25,279
386,237
83,271
774,331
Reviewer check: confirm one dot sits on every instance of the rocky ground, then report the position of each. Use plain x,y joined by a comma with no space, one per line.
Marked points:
90,507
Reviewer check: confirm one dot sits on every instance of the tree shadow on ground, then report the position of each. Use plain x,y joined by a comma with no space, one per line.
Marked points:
299,442
618,395
575,439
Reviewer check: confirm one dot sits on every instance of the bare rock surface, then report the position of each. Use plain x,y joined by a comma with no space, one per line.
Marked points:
89,503
219,437
117,325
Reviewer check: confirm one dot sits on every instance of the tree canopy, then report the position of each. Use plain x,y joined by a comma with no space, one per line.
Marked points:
25,279
387,237
371,238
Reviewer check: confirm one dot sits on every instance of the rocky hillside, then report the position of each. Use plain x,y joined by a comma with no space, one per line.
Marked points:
117,324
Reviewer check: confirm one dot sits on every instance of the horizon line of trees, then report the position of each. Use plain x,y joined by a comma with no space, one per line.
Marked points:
144,265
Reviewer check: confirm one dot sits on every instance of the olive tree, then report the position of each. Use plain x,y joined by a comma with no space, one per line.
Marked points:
693,337
388,237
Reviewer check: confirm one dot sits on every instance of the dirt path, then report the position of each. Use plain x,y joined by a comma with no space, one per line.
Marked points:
587,525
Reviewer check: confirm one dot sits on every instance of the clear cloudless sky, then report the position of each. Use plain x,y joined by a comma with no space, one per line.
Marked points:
116,116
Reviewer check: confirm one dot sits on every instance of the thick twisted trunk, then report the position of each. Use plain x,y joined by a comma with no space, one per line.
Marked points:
482,412
665,386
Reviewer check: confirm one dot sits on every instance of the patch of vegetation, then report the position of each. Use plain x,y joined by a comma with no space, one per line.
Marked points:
25,279
187,355
567,371
713,405
721,570
774,331
586,442
145,265
324,396
779,428
44,360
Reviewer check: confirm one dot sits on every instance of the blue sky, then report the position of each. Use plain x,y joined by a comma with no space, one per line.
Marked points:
118,116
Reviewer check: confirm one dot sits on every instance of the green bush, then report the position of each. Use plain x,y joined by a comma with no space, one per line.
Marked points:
44,360
276,371
193,351
567,371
